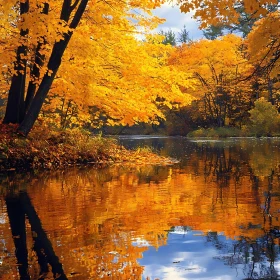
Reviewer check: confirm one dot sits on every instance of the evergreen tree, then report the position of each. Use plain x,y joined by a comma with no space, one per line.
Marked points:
213,32
170,37
183,36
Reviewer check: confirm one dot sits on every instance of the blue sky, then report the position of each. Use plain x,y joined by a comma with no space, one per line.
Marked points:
175,20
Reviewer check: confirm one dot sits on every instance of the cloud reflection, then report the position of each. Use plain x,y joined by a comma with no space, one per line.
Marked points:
184,257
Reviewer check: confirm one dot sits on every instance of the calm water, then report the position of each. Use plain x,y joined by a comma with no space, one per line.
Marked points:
215,215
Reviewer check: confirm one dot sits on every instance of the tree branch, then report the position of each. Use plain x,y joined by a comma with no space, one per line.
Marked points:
72,7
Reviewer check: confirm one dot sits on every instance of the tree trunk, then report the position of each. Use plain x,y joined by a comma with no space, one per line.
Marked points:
39,62
270,90
41,239
39,98
15,109
17,223
53,65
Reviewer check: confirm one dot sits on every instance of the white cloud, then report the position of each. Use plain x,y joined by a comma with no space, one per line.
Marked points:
175,20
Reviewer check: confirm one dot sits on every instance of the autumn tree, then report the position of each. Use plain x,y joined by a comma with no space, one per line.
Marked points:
35,35
237,15
243,26
260,18
131,78
218,66
66,23
105,74
226,12
41,48
263,48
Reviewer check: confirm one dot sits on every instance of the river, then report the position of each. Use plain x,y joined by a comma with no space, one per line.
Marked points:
214,215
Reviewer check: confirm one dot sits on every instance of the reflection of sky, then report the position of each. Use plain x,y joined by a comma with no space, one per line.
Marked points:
277,266
187,256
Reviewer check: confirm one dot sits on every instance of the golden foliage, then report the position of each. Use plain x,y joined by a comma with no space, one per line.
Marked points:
213,60
263,43
214,12
105,66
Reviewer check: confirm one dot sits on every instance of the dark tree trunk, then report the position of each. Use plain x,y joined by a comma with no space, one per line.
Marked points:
18,207
17,223
53,65
42,243
15,109
41,255
39,98
39,62
270,90
256,88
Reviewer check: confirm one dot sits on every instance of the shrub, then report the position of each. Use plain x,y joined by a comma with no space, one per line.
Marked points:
218,132
264,119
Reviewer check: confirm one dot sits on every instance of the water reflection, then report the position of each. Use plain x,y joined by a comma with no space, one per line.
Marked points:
127,222
19,206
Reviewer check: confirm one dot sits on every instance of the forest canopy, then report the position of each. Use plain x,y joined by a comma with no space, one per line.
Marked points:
81,63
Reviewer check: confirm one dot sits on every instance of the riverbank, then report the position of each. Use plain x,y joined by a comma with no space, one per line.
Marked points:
53,149
225,132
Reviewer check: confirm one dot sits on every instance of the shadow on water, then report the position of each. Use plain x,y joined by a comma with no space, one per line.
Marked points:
19,207
123,222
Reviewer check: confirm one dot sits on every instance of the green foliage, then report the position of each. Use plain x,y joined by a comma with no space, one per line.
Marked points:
213,32
144,149
219,132
170,37
183,36
264,119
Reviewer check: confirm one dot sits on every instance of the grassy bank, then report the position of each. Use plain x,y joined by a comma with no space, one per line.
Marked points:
224,132
51,149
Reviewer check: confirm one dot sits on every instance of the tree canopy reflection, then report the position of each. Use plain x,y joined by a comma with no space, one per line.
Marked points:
100,222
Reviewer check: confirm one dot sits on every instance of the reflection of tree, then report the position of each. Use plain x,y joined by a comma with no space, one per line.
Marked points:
17,223
17,207
256,256
263,158
218,164
101,213
267,203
